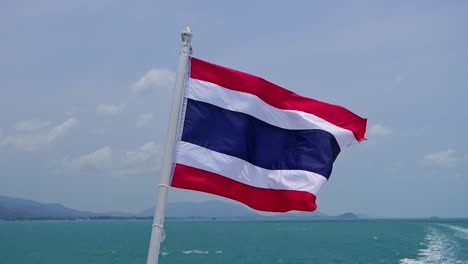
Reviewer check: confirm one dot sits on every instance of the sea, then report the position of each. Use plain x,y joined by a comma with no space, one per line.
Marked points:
236,241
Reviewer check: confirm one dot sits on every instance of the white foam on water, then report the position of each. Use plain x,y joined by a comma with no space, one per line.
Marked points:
164,254
195,251
461,232
219,252
439,250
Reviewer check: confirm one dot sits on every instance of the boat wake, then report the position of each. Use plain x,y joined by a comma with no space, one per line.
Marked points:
460,232
440,248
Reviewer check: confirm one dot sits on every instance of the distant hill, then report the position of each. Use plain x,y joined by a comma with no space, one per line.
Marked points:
22,209
207,209
347,216
17,208
220,209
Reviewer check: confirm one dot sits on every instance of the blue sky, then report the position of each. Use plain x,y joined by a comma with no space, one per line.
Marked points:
86,85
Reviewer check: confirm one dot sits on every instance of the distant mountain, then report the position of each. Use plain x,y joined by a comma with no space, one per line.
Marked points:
220,209
17,208
347,216
207,209
22,209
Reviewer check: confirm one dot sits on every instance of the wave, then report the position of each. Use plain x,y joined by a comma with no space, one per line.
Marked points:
195,251
440,249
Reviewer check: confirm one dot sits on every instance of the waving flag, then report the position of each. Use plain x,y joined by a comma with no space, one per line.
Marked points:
250,140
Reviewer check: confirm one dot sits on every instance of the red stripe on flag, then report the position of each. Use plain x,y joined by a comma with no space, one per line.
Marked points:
186,177
277,96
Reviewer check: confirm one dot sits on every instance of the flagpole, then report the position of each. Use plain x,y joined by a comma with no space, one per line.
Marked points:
157,231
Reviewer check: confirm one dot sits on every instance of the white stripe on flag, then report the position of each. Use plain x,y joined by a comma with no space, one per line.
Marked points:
247,173
252,105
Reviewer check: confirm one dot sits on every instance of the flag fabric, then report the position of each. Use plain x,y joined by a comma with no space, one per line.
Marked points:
250,140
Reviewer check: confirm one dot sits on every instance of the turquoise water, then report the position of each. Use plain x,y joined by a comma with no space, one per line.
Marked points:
373,241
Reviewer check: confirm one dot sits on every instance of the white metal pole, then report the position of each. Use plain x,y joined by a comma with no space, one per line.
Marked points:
168,160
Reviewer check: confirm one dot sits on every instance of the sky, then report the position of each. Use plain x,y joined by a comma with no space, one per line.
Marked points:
85,91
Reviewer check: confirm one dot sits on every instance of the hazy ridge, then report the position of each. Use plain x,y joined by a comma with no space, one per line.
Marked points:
22,209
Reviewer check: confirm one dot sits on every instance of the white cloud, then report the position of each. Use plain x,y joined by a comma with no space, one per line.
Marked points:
106,161
101,158
144,119
379,130
31,125
109,109
442,158
142,154
155,78
38,138
61,129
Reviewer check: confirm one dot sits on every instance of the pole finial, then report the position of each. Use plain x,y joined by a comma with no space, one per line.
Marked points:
186,41
186,34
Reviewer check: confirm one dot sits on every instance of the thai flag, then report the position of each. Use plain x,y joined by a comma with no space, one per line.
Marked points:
250,140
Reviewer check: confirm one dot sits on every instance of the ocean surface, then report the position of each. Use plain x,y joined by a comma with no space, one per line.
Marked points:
216,241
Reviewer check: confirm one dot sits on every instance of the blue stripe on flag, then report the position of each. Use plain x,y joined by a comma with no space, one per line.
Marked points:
259,143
